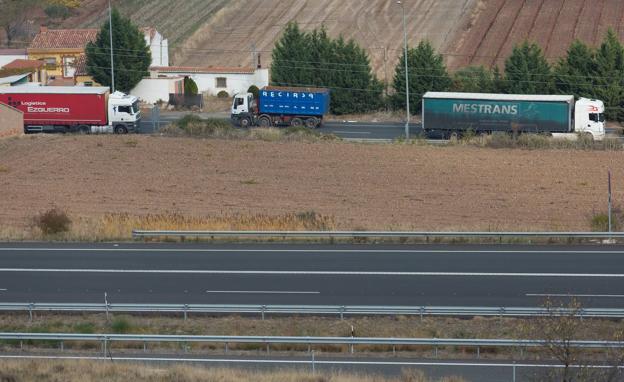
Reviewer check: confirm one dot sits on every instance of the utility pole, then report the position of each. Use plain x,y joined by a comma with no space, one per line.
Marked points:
110,24
609,202
407,100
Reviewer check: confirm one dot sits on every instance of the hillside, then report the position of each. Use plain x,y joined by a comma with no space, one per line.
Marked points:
499,24
224,32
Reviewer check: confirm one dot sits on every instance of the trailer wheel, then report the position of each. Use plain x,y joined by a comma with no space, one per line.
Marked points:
589,137
83,129
120,129
245,122
264,122
311,123
296,122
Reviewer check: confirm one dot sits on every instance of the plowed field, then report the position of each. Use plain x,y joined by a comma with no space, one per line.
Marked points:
368,186
499,24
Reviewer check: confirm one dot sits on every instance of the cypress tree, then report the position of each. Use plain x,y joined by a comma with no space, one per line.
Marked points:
527,71
427,72
609,76
291,58
131,54
575,73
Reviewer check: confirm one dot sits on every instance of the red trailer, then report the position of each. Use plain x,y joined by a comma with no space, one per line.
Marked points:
72,108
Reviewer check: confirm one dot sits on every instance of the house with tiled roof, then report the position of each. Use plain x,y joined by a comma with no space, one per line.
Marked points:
59,49
34,69
63,50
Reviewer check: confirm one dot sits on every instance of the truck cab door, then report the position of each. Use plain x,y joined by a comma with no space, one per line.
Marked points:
240,105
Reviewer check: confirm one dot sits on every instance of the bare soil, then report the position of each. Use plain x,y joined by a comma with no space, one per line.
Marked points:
361,186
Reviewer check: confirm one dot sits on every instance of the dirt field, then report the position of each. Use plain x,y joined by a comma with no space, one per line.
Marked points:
499,24
361,186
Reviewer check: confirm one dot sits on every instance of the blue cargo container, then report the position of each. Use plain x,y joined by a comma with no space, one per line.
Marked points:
281,106
313,102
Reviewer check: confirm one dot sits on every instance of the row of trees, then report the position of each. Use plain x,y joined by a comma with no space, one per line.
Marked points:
315,59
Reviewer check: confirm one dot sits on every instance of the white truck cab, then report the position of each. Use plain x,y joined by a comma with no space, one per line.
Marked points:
124,114
589,118
243,107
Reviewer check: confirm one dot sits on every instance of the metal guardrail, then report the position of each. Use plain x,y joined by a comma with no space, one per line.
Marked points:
376,234
389,341
339,310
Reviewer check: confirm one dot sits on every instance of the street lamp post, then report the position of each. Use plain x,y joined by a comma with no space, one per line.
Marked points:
407,99
110,27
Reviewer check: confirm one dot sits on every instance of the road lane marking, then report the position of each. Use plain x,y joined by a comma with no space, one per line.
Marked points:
303,362
308,273
228,250
261,292
573,295
3,290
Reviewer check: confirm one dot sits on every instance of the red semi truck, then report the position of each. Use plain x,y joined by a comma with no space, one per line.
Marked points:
73,109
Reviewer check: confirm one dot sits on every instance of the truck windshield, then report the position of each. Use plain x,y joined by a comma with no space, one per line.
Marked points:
597,117
135,107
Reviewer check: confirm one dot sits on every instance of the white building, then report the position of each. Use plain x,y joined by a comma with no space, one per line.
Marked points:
159,46
9,55
213,80
154,90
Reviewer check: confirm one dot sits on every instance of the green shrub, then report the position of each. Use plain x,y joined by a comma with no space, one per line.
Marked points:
121,325
600,221
53,221
223,94
253,89
190,87
57,11
84,328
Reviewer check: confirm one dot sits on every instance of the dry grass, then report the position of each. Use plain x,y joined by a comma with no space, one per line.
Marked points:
120,226
213,104
378,116
86,371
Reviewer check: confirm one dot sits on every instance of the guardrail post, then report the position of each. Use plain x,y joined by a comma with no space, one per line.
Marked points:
313,366
263,309
104,347
106,306
342,310
435,352
351,348
144,347
268,348
500,316
514,371
185,309
393,350
226,348
31,306
478,352
21,345
422,312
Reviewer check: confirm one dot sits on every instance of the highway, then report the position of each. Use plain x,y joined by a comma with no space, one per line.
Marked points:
442,275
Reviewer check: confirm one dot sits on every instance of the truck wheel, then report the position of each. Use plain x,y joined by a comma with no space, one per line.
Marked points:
264,122
311,123
245,123
119,129
83,129
296,122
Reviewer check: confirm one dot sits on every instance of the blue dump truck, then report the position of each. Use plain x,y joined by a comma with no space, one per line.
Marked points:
453,114
281,106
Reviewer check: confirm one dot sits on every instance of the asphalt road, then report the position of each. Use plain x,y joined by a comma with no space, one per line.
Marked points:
312,274
470,370
347,130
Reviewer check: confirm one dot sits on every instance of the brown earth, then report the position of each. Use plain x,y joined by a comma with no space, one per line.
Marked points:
362,186
497,25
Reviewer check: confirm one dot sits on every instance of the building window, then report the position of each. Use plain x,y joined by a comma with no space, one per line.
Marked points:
88,83
50,63
69,68
221,82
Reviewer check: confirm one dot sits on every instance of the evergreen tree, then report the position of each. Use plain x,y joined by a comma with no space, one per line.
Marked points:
132,56
609,78
527,71
427,72
190,86
474,79
292,58
574,74
314,59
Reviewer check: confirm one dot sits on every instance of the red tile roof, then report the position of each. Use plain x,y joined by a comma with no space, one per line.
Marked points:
63,38
23,64
62,82
208,70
